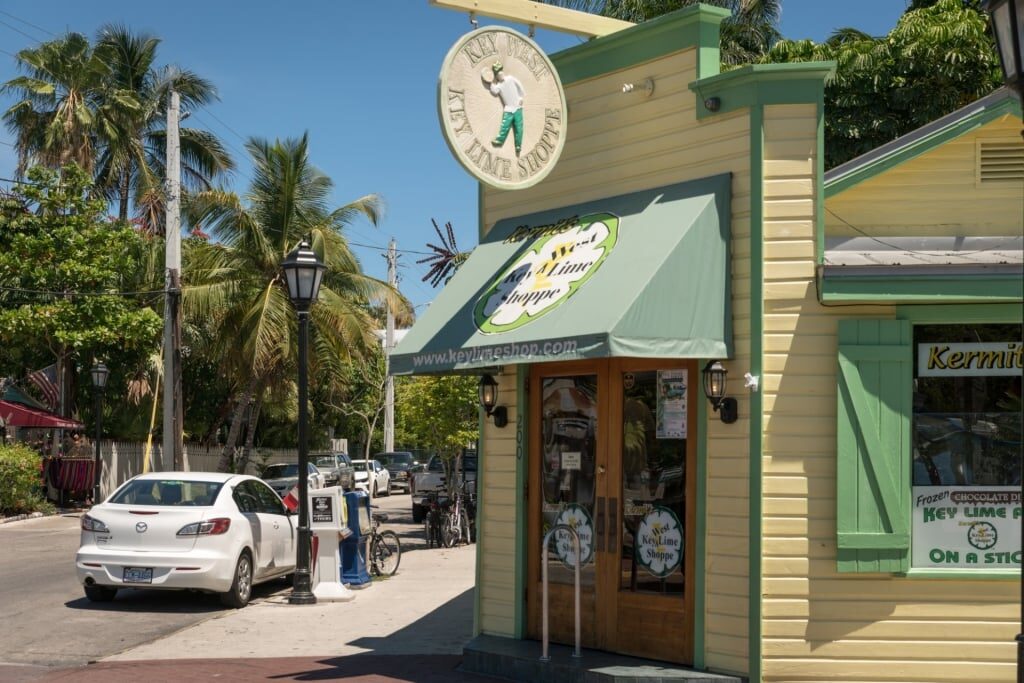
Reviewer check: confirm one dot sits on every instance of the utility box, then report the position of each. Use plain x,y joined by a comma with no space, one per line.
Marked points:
353,548
328,520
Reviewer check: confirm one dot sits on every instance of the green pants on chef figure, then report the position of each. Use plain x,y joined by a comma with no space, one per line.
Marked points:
510,91
513,120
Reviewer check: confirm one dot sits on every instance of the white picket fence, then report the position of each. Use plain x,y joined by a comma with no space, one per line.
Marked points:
122,460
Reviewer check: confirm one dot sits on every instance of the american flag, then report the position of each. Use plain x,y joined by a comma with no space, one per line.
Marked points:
46,380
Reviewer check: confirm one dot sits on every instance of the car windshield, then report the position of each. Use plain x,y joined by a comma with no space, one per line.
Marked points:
468,463
166,492
395,458
359,464
324,461
281,471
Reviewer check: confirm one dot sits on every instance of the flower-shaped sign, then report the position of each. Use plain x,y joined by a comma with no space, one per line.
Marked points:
555,266
659,542
575,517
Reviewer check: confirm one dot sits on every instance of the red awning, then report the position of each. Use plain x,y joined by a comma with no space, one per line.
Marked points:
18,415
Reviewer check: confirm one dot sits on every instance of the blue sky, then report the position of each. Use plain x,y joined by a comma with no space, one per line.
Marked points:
360,77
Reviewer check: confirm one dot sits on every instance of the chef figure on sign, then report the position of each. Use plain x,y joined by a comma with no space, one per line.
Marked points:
510,90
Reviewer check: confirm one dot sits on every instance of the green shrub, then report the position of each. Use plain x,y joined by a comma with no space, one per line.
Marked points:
20,480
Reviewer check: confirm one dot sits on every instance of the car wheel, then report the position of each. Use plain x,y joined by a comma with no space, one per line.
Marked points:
241,588
97,593
419,513
387,489
374,489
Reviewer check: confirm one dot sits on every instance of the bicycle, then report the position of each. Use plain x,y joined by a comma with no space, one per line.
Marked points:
434,521
385,548
455,525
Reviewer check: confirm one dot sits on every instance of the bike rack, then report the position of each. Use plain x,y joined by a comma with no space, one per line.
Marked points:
544,587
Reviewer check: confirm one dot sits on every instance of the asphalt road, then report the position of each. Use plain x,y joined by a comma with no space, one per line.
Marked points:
48,623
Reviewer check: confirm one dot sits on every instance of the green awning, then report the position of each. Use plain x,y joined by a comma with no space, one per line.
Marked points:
641,275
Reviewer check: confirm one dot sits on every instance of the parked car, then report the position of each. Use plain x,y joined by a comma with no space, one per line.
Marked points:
378,477
400,465
434,478
208,531
336,467
283,476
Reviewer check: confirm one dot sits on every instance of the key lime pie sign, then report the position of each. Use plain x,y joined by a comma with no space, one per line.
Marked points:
562,257
502,108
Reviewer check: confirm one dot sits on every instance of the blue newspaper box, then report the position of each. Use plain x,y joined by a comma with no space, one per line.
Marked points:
353,548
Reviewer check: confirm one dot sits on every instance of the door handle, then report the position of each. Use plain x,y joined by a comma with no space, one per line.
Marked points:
599,524
276,525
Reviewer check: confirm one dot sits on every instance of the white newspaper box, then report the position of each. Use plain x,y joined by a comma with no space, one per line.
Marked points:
328,521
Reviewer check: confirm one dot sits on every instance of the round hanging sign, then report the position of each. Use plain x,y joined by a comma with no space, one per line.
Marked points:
659,542
502,108
575,517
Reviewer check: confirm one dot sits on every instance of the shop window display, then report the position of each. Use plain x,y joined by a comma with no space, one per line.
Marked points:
967,446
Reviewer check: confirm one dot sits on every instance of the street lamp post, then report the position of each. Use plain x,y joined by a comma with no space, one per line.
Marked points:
303,272
99,374
1008,27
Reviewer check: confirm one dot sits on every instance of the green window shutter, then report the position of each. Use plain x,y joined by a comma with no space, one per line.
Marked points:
873,445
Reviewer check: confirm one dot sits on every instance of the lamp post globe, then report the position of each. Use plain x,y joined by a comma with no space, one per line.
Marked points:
1008,27
99,373
303,272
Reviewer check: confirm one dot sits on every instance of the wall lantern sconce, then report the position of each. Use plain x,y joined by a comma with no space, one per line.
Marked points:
488,399
714,389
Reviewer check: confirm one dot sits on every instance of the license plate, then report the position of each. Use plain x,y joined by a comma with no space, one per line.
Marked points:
138,575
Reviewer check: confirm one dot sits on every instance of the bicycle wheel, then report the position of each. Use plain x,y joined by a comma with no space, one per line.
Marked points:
450,531
386,553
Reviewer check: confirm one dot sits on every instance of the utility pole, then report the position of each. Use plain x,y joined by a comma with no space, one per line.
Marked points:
389,344
171,457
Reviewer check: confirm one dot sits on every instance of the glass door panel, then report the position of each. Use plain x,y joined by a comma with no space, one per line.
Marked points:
654,431
569,462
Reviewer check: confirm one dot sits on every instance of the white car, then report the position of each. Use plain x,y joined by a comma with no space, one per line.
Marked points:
208,531
378,476
284,476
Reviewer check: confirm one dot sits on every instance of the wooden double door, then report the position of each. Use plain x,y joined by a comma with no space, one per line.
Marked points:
612,454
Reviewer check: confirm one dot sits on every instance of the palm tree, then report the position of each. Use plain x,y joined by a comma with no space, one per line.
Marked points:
134,158
745,36
65,100
235,280
104,107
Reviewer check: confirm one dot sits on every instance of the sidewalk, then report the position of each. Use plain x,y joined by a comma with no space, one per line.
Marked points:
355,669
410,627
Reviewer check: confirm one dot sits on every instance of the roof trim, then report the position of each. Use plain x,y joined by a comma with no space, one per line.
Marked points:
696,26
763,84
998,103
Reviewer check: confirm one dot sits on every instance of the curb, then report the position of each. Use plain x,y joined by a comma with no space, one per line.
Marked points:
37,515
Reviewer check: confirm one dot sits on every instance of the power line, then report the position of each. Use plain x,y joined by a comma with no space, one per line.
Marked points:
73,293
18,30
401,251
229,144
21,182
28,23
233,131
